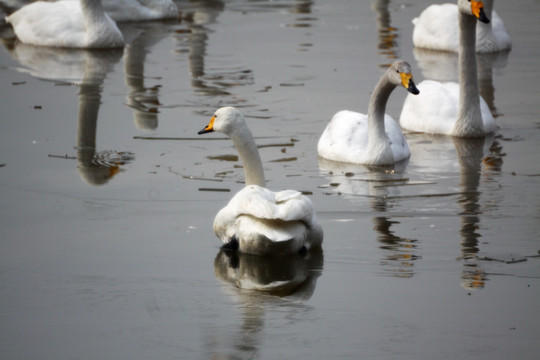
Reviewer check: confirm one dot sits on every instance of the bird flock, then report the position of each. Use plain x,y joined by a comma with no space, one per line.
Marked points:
263,222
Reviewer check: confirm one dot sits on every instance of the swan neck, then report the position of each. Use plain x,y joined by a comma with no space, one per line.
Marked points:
92,9
377,108
249,156
469,121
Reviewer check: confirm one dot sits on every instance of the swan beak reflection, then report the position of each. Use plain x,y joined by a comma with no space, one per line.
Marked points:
408,83
209,127
478,11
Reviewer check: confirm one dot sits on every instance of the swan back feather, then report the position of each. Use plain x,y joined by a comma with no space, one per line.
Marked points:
67,24
437,28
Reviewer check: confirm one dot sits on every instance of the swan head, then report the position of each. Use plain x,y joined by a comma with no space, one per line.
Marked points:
224,120
400,74
474,8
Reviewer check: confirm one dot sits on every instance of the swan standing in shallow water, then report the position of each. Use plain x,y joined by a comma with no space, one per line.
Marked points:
257,220
66,24
436,29
450,108
375,138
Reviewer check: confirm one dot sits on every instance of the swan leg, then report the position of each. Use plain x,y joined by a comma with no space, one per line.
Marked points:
232,245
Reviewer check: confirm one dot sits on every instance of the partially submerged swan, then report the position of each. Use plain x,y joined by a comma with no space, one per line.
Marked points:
257,220
375,138
451,108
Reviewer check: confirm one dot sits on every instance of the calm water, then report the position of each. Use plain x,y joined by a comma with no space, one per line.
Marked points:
108,195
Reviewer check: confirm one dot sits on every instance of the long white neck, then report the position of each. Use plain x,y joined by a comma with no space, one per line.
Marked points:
249,155
469,122
377,141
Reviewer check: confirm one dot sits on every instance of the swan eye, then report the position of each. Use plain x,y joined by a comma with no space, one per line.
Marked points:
397,71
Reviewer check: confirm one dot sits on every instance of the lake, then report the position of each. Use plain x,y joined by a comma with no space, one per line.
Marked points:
108,194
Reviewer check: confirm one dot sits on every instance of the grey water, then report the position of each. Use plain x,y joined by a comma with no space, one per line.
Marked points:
108,194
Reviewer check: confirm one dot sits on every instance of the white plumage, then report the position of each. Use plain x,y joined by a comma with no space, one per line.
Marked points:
451,108
437,28
257,220
372,139
66,24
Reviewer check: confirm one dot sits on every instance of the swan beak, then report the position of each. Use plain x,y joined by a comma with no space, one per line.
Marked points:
477,8
209,127
408,83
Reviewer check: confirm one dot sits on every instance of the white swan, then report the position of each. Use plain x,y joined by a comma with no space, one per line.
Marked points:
140,10
257,220
66,24
450,108
375,138
436,28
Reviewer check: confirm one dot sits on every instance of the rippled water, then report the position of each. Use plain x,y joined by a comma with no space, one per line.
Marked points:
108,194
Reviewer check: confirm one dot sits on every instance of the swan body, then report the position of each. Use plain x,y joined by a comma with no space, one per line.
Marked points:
140,10
372,139
66,24
257,220
450,108
436,28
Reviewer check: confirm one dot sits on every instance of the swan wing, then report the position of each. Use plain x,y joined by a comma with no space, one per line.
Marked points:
345,138
436,28
434,111
398,143
49,24
261,203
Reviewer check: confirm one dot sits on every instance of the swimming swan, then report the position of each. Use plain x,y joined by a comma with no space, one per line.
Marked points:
66,24
375,138
451,108
436,29
140,10
257,220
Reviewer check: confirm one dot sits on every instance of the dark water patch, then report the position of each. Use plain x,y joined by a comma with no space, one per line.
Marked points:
215,189
227,157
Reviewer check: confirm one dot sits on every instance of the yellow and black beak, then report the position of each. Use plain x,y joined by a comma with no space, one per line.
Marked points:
408,83
477,8
209,127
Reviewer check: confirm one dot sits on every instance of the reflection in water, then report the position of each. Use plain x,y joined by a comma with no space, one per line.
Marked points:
470,153
143,100
437,155
443,66
387,33
87,69
193,41
258,284
378,184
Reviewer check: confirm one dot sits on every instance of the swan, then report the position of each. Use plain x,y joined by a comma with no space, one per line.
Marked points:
66,24
256,220
450,108
436,29
375,138
140,10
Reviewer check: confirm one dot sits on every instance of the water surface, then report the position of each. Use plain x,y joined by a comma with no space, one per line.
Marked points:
108,195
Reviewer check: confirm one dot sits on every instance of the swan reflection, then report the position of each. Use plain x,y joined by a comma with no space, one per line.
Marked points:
144,100
87,69
292,276
377,186
260,284
387,33
470,158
